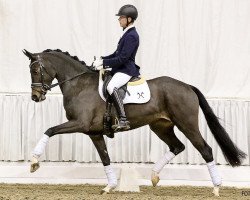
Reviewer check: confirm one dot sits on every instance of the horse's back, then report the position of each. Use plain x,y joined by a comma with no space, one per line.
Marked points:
170,85
174,93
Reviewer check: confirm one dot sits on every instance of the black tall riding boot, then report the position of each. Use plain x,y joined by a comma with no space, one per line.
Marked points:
123,124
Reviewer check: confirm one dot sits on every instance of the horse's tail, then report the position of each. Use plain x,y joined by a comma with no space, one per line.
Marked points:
231,152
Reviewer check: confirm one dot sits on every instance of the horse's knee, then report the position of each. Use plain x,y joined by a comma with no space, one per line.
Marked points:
49,132
84,128
177,150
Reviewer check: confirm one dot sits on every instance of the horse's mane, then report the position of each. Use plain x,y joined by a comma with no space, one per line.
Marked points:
66,53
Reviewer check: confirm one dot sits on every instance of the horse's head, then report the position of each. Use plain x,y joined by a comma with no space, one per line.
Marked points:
42,75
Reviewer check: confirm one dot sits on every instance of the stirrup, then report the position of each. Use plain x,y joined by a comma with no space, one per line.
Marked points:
121,125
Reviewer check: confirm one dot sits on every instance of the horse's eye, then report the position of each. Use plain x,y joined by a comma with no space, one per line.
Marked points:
35,72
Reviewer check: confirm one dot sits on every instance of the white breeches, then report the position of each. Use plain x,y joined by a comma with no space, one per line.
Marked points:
118,80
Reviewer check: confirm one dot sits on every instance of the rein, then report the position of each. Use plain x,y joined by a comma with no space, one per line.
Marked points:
60,83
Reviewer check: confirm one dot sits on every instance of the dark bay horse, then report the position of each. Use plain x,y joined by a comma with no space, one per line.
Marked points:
172,103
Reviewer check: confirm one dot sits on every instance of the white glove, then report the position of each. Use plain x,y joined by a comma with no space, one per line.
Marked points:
98,64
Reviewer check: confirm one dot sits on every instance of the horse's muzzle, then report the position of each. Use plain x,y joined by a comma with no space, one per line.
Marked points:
38,99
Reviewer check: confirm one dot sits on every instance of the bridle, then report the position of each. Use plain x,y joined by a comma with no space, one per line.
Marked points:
44,86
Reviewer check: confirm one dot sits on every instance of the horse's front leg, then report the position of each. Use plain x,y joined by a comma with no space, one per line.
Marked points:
68,127
101,147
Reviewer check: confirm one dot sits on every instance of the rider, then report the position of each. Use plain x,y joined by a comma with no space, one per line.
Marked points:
122,61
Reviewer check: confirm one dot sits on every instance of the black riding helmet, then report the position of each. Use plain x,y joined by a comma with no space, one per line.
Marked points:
128,11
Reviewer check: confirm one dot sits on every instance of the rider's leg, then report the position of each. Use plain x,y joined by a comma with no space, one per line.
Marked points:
117,81
123,123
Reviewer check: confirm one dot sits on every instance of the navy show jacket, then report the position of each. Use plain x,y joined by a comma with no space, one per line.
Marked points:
123,59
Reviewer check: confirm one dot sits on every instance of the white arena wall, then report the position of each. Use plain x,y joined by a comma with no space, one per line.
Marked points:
23,123
203,43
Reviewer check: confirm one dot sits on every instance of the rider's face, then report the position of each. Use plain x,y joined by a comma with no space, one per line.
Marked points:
123,21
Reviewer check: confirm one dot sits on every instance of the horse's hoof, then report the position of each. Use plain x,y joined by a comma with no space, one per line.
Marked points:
155,178
103,192
216,191
34,165
107,189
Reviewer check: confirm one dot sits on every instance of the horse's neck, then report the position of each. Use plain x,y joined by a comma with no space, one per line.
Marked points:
66,68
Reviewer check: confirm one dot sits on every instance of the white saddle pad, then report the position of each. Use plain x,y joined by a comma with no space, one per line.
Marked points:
138,93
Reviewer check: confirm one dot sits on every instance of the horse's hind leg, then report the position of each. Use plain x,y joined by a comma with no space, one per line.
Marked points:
205,150
187,122
165,131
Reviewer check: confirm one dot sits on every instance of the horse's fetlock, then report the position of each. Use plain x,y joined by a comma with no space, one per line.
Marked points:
207,154
179,149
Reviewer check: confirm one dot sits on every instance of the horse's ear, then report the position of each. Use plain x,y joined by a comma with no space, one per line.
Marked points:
28,54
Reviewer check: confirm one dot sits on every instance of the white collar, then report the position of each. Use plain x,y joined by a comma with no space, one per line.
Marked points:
126,29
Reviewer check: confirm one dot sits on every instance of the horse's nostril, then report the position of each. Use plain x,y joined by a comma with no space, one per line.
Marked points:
34,98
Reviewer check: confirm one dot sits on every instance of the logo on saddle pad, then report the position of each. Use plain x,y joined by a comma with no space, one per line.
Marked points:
136,92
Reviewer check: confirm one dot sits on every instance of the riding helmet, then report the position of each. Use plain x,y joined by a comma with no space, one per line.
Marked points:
128,11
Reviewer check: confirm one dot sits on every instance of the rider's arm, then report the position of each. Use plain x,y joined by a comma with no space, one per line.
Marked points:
109,56
130,44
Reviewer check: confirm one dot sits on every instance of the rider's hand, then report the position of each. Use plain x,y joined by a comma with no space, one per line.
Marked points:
98,64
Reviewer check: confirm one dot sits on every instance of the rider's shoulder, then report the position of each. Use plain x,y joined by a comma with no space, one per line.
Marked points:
133,33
